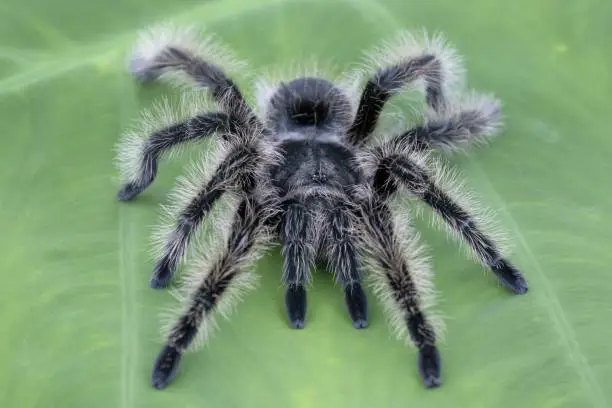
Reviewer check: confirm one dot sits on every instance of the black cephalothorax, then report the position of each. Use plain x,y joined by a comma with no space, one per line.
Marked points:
305,170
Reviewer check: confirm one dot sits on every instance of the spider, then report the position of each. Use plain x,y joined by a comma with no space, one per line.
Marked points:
308,171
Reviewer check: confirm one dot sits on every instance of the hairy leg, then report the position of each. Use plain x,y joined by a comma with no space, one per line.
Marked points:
417,180
473,120
184,54
400,281
179,53
343,260
212,291
147,153
233,170
299,257
400,65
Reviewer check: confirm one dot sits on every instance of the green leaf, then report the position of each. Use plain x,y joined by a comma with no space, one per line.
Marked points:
80,325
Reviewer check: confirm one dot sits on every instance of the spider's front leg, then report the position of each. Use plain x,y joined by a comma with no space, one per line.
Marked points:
297,235
419,182
400,65
342,255
237,167
214,289
399,274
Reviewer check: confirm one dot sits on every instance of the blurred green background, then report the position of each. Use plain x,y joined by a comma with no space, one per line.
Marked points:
80,325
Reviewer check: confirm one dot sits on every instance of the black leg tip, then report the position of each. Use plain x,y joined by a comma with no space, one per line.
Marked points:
360,323
431,382
297,324
158,283
357,304
128,192
161,276
295,302
142,71
429,366
511,277
520,286
166,367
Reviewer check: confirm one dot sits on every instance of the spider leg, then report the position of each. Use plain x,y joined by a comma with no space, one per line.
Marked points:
417,180
213,290
183,54
403,63
475,119
396,274
343,259
170,52
297,234
235,171
144,158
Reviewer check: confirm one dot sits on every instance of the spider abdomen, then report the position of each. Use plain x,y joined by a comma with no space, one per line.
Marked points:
309,102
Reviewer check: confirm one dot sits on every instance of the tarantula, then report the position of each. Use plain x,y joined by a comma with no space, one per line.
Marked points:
307,172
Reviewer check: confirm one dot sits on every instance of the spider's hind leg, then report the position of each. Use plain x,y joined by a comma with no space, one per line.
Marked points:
398,65
185,55
181,54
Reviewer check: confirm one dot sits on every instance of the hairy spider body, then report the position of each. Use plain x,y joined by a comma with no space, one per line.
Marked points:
306,173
